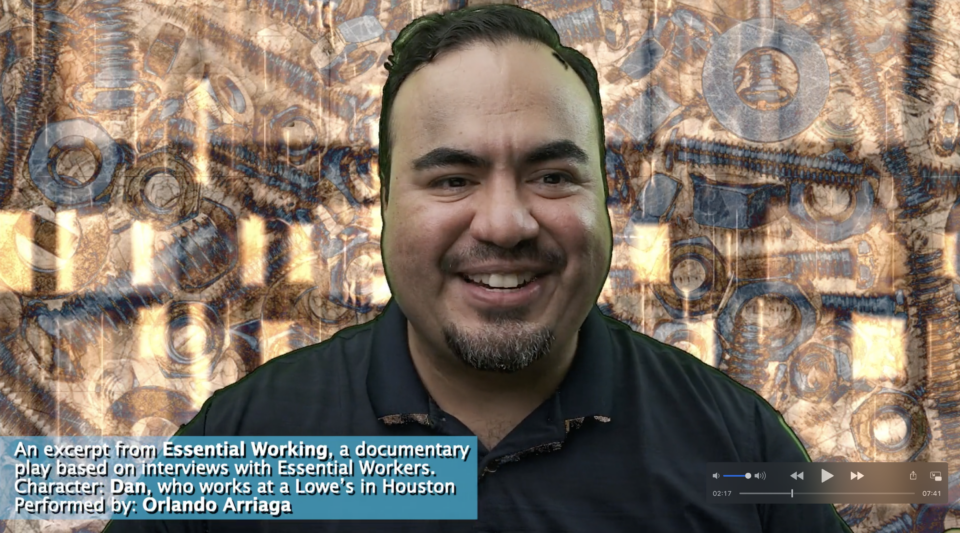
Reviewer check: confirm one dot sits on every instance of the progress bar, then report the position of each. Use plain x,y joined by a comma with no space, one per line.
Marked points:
791,493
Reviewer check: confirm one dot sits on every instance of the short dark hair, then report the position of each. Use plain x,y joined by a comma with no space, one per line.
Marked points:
421,41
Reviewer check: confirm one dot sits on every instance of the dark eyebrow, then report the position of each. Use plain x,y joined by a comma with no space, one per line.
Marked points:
551,151
557,150
448,157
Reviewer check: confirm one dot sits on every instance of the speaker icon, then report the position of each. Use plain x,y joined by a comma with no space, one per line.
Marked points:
716,475
760,475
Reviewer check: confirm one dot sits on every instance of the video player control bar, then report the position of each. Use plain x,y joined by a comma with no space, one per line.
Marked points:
827,483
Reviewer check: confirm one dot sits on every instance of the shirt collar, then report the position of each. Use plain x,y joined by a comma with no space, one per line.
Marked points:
397,394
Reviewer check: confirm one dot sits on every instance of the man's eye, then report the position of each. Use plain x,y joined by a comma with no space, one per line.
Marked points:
555,179
450,183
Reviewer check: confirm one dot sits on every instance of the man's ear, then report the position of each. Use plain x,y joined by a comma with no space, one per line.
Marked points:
383,206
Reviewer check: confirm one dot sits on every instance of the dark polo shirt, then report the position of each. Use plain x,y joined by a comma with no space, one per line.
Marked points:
620,447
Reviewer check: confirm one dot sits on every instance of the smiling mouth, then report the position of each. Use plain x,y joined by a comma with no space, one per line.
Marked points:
503,282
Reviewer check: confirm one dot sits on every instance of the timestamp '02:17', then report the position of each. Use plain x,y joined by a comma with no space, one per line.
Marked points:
722,492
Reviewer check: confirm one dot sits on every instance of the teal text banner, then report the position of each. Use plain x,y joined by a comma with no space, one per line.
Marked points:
232,478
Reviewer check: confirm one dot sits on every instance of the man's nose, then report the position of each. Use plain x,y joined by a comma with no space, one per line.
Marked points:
502,214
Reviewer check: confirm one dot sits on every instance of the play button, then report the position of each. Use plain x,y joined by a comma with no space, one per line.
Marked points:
824,475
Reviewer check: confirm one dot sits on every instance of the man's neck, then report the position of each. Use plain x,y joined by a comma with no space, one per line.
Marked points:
491,404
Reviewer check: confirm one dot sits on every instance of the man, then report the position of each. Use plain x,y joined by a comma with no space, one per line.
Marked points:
496,243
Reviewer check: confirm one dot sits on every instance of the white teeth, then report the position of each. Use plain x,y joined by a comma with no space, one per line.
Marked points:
502,281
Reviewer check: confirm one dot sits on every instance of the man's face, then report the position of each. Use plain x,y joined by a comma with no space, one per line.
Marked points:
496,237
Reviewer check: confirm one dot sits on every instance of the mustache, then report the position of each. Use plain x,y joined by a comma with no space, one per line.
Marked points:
526,251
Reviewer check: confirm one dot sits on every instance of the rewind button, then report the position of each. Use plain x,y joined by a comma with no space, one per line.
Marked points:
796,475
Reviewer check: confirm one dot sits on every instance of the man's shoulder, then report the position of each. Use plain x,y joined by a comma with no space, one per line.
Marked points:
281,394
346,351
660,366
714,407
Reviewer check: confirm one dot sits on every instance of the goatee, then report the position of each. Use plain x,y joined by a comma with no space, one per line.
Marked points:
506,345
